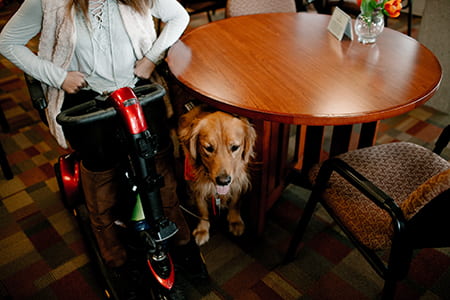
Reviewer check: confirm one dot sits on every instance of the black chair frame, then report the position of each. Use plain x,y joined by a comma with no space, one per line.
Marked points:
397,261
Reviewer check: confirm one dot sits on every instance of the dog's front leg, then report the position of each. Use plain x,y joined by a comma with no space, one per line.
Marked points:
201,233
235,223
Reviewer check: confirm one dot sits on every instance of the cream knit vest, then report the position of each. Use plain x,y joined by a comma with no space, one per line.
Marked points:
57,44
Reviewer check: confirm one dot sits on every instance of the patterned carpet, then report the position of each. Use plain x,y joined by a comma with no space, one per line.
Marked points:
43,256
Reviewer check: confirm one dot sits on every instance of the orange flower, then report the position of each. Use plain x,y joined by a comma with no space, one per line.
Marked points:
390,8
393,7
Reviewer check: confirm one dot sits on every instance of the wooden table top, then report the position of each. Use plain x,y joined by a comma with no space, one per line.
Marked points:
287,67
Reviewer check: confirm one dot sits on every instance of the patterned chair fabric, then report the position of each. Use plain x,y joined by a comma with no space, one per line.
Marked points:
395,169
236,8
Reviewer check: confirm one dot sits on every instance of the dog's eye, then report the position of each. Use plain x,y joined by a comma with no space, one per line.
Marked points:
234,148
209,149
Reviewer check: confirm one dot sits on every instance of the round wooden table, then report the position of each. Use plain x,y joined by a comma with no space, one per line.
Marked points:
287,68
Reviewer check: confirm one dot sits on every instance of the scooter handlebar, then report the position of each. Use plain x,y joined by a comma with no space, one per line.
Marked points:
100,109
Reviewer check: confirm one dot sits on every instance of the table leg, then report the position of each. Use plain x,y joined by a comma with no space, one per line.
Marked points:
340,140
269,171
368,134
313,148
272,164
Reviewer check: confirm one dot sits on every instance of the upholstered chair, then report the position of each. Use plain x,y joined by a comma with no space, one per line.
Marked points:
391,198
236,8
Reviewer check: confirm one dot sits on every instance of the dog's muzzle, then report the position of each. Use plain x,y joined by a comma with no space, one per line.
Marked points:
223,184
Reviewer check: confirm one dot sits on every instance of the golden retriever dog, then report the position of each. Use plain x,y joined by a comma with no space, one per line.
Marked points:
217,148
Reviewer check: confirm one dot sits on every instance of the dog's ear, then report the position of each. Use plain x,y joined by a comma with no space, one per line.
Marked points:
188,132
250,140
192,142
185,126
187,137
196,126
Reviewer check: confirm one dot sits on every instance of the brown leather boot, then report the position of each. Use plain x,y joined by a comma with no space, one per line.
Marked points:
165,167
101,193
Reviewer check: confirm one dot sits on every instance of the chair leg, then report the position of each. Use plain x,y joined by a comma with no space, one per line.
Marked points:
301,228
4,164
322,178
397,268
410,15
208,14
3,122
389,287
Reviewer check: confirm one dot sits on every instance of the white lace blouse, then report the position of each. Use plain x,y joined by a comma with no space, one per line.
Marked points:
103,52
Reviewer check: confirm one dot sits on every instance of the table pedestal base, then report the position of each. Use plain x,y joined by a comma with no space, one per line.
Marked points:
285,153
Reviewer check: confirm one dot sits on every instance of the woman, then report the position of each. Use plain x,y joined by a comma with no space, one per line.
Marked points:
86,48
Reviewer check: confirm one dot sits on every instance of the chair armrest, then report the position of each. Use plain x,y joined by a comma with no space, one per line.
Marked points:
365,186
429,190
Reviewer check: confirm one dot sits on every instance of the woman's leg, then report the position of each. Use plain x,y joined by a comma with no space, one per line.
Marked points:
101,192
97,147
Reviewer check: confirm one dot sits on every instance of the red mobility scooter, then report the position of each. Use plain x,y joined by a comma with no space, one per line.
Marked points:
119,121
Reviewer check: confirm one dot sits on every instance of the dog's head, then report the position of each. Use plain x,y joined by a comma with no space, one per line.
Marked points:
218,144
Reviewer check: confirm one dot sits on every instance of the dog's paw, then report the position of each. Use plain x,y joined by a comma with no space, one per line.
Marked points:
237,228
201,233
201,236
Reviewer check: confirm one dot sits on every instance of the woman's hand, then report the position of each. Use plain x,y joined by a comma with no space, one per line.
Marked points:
73,82
144,68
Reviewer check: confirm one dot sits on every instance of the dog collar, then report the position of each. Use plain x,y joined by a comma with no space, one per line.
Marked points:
215,204
189,175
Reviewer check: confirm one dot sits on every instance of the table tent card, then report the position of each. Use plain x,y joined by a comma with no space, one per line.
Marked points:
340,24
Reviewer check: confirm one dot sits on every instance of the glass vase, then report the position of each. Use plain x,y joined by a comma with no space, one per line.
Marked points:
369,27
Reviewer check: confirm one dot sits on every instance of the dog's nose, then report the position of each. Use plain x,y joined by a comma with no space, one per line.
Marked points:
223,180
